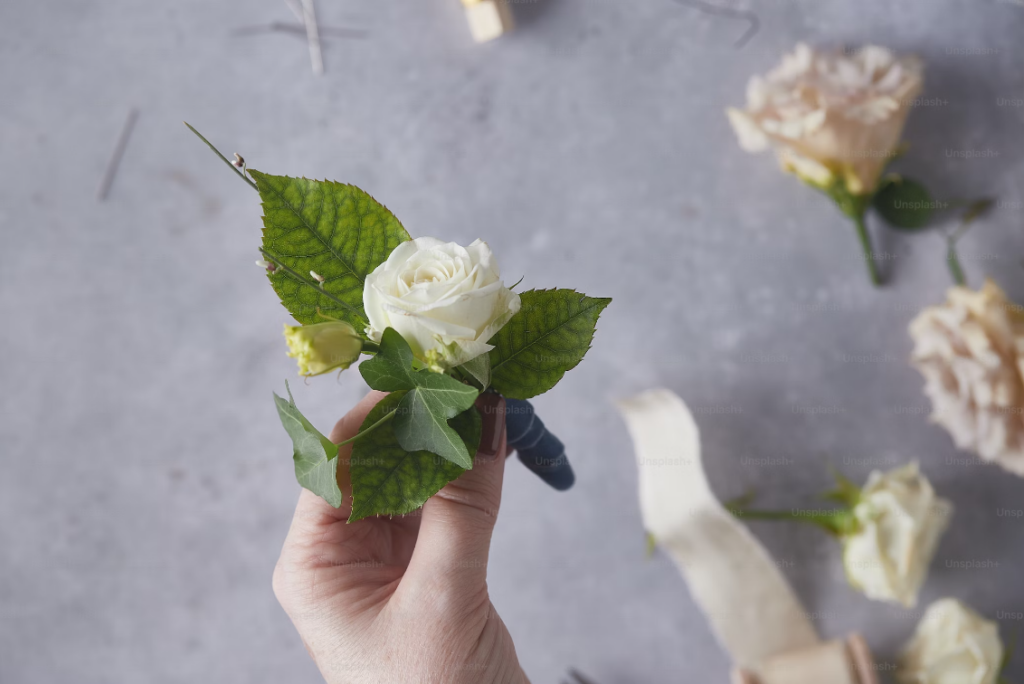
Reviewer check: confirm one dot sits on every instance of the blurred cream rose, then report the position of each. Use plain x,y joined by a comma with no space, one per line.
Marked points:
952,645
445,300
831,116
971,353
899,521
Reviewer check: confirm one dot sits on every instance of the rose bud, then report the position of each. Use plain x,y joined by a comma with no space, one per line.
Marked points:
323,347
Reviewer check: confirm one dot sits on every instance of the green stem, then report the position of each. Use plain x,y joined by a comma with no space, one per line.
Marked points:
836,522
955,269
233,167
370,347
387,416
865,245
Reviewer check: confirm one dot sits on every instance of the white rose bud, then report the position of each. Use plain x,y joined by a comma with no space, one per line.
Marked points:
445,300
899,523
971,353
831,116
952,645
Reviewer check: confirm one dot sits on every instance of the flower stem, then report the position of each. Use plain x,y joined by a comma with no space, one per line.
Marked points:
953,262
387,416
225,159
865,245
837,522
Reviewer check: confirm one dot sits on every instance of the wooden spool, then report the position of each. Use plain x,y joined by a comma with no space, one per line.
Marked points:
835,662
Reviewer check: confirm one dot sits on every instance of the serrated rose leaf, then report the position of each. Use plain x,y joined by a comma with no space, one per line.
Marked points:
316,458
332,229
547,337
387,479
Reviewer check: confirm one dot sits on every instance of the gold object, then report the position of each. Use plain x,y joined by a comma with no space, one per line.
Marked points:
488,19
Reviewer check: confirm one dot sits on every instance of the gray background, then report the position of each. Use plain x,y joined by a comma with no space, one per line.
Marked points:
145,483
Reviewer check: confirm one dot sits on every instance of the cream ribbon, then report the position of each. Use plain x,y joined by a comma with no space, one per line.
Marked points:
750,606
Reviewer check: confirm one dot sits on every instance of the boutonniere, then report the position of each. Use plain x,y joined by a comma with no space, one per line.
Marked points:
438,326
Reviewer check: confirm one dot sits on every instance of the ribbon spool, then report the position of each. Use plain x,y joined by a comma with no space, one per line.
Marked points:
539,450
836,662
749,605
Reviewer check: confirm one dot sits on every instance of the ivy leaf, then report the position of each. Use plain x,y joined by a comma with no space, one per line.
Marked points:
432,400
547,337
422,420
389,480
316,457
335,230
904,204
390,370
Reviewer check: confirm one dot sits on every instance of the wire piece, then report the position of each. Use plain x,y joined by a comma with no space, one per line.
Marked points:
316,56
299,30
752,19
115,158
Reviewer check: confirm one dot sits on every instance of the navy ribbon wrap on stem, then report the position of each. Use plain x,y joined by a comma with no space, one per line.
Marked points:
538,449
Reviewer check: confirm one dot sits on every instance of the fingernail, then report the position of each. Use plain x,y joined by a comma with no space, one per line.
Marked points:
492,411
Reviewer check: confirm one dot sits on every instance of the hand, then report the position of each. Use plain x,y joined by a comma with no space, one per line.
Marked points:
402,600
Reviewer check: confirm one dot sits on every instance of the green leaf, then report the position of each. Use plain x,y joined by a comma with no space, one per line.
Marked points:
335,230
432,400
389,480
316,458
479,369
390,370
904,204
547,337
846,492
422,420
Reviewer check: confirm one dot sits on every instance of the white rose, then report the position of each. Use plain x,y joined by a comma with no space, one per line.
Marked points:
830,115
445,300
971,353
899,523
952,645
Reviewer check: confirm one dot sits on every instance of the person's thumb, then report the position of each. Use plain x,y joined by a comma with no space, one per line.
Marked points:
455,532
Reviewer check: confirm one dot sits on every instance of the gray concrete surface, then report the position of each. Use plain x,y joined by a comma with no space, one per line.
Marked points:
145,484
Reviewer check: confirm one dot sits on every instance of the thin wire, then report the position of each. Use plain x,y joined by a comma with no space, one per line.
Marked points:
755,22
300,30
217,152
316,55
115,159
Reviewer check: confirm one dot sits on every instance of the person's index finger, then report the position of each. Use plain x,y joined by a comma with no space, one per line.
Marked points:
347,428
313,515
